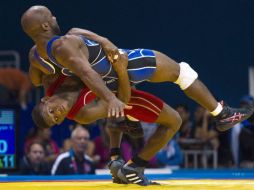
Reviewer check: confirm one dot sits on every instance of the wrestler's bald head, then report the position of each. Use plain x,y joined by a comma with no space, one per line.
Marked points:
38,19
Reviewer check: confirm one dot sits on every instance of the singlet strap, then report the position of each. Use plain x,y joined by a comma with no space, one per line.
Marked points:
55,85
85,97
46,64
64,70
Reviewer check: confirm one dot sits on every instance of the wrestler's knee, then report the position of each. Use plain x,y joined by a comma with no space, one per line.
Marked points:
177,122
167,68
170,119
187,76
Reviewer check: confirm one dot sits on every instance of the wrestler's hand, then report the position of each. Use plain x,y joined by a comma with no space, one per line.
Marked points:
110,50
116,108
121,62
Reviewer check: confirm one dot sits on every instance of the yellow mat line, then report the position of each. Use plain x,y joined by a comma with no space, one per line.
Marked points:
107,185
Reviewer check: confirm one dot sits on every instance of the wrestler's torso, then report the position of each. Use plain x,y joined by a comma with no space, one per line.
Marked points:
140,68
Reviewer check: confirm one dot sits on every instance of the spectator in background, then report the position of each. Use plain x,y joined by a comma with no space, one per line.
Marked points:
246,146
170,155
246,136
67,144
75,161
186,130
33,163
17,85
236,130
203,128
149,129
44,137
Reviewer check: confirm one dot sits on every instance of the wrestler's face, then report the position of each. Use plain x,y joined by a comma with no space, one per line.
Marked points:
54,110
54,25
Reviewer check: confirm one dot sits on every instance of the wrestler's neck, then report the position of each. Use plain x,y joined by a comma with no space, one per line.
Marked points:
68,98
41,41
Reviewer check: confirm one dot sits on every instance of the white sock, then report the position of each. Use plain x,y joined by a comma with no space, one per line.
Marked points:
217,110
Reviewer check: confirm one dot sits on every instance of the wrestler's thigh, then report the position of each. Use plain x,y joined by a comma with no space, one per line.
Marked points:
166,69
169,117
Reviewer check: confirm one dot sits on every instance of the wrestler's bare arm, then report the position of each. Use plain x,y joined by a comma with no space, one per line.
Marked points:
88,34
108,47
68,52
119,61
91,112
124,88
35,74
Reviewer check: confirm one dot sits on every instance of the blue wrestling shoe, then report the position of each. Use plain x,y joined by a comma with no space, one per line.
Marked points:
133,174
114,166
231,116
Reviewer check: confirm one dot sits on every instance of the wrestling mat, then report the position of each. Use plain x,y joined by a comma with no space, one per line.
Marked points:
107,185
183,179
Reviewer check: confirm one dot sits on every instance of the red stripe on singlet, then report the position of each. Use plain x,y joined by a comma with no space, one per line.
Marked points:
55,85
85,97
145,106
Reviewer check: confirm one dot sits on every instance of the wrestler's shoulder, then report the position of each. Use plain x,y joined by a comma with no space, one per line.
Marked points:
68,38
65,42
31,53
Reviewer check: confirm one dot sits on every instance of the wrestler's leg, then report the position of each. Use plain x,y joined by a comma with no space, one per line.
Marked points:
133,170
169,123
183,75
97,110
116,160
115,136
169,70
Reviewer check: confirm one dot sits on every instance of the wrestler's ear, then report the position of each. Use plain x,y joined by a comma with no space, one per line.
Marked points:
44,99
45,26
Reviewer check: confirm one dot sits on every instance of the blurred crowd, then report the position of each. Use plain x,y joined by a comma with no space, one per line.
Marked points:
196,145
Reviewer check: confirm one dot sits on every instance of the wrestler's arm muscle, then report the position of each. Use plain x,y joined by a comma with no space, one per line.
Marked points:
119,64
90,35
91,112
68,52
35,74
124,88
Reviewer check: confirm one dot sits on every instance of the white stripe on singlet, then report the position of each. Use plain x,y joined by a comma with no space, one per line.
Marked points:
148,67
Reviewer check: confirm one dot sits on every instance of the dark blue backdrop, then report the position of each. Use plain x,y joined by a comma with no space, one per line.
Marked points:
215,37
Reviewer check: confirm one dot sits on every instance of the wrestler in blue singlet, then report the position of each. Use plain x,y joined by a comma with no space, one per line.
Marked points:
141,66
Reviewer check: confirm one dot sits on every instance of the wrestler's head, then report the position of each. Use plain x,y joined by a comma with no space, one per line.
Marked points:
50,111
38,20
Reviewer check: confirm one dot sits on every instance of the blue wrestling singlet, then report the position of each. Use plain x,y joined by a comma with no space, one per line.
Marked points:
141,66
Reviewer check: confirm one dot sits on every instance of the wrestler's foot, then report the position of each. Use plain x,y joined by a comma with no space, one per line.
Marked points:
114,166
133,174
231,116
